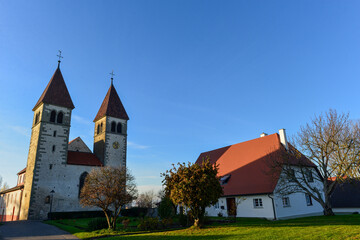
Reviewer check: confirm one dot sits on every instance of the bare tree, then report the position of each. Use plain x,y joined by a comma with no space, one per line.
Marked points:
332,144
146,199
109,188
4,186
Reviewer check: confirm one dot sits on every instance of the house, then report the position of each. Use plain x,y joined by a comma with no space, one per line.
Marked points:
345,198
56,168
250,186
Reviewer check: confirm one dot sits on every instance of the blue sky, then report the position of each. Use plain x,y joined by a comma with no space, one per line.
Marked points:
192,75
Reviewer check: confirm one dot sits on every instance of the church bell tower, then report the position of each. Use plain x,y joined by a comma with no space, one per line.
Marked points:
48,147
110,135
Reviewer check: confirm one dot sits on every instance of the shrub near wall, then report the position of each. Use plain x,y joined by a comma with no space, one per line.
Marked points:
134,212
71,215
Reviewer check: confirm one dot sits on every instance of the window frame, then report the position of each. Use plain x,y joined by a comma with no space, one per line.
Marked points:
308,199
257,202
286,202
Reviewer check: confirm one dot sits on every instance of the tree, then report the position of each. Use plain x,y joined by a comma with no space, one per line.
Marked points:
4,186
146,199
196,186
332,143
109,188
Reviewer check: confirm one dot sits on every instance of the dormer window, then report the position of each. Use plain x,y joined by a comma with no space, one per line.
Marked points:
225,179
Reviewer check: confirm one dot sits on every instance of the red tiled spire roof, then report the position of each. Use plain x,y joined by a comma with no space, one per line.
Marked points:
112,106
56,92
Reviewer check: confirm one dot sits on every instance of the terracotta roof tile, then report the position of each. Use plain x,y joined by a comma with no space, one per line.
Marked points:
83,158
22,171
56,92
248,164
112,106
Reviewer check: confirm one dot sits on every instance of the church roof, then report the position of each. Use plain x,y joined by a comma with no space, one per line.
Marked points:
78,145
83,158
112,106
247,165
56,92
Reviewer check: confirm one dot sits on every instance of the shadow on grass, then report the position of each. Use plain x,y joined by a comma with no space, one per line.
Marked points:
299,222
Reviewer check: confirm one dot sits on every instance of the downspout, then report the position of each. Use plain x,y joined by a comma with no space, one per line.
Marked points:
273,205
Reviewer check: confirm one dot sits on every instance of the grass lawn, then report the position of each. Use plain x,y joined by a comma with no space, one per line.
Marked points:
335,227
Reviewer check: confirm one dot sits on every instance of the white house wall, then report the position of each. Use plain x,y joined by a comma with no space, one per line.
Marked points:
298,205
245,207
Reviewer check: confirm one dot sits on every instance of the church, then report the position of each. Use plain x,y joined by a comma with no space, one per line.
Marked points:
56,168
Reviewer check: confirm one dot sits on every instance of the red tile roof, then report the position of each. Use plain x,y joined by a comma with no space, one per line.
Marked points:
22,171
112,106
83,158
56,92
249,166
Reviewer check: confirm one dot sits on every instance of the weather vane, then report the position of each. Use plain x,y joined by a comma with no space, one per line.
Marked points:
112,76
60,57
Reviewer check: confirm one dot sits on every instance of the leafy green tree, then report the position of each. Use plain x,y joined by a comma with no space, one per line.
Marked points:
196,186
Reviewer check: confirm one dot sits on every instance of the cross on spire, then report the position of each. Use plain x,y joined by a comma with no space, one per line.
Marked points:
60,57
112,76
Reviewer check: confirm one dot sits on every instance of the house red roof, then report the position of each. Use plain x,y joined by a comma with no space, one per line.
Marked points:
83,158
22,171
249,164
112,106
56,92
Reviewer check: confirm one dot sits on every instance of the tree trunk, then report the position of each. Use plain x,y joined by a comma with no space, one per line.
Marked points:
197,222
328,211
107,219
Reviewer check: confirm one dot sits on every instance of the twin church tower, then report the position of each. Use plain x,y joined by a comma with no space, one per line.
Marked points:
56,168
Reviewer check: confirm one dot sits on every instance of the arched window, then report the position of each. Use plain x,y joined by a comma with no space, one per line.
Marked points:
60,117
82,181
101,127
98,129
113,126
118,129
52,116
37,116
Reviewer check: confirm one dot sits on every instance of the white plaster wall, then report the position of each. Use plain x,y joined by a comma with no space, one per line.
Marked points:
245,207
298,205
10,205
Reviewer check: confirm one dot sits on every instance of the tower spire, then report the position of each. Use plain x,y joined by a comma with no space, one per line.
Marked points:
60,57
112,76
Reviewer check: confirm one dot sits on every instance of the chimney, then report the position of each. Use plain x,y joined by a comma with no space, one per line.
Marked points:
283,139
263,134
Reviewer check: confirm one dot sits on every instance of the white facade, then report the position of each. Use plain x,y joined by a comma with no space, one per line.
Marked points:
270,206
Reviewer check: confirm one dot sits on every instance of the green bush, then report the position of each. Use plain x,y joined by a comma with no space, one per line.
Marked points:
134,212
185,220
97,224
166,208
166,222
149,224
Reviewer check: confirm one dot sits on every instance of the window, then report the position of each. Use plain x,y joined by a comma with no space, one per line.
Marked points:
98,129
47,199
118,129
286,202
53,148
225,179
113,126
50,166
54,134
52,116
101,127
216,205
258,203
37,116
60,117
291,175
308,199
82,181
309,176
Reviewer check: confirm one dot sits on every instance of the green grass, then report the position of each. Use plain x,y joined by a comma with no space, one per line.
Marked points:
335,227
